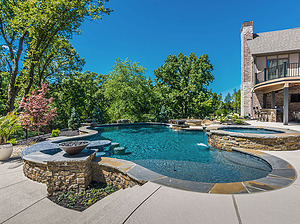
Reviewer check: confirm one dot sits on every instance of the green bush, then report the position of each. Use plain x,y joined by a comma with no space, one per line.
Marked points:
238,121
223,119
55,133
12,141
148,118
74,121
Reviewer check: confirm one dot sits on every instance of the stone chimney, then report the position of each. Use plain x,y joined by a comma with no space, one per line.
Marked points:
246,69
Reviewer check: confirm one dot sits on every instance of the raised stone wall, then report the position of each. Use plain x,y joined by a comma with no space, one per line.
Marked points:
69,175
112,176
76,174
35,171
226,142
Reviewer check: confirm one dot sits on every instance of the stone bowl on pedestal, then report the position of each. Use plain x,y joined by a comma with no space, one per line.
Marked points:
73,147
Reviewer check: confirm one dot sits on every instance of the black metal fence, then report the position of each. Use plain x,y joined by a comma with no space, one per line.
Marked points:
280,71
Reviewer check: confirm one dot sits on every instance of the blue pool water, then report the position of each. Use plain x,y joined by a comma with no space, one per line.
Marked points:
180,154
251,130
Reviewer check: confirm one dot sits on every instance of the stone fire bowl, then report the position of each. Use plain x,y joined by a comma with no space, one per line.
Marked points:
73,147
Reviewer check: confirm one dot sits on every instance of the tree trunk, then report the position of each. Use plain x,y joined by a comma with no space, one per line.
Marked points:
12,91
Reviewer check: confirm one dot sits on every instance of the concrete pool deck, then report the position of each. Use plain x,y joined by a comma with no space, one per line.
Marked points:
24,201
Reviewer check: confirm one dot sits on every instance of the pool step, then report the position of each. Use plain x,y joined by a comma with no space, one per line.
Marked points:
117,207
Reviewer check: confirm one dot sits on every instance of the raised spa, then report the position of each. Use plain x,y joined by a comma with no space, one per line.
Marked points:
182,155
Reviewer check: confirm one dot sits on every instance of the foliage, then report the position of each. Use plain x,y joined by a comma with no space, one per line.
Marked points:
85,198
98,116
163,115
182,84
232,103
74,121
9,124
55,133
127,92
13,141
223,119
33,30
36,109
238,121
83,91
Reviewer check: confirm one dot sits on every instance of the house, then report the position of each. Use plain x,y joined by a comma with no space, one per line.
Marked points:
270,74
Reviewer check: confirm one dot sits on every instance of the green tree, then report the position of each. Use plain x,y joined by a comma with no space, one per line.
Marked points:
74,120
181,80
127,92
31,27
98,116
83,91
236,101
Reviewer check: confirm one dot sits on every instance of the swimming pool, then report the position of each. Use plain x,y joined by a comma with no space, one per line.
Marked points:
252,130
182,154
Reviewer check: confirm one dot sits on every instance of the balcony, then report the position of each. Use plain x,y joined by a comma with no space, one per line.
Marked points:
278,72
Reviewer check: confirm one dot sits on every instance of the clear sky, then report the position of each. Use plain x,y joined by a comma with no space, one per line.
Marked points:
147,31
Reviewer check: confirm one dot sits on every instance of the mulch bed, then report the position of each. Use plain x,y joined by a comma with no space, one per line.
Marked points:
41,138
84,199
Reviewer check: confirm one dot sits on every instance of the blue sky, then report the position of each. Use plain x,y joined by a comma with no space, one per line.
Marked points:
147,31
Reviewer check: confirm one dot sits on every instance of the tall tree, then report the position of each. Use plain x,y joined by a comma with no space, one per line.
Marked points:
181,79
31,27
127,91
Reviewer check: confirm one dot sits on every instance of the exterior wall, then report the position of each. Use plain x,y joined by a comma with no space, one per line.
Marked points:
293,107
246,68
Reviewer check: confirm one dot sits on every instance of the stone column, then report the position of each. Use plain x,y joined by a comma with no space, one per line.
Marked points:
246,68
286,105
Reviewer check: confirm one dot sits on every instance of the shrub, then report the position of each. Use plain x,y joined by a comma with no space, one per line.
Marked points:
12,141
148,118
223,119
55,133
9,125
74,121
238,121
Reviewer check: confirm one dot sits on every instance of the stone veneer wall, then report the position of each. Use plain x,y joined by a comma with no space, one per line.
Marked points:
75,175
35,171
69,175
293,106
112,176
226,142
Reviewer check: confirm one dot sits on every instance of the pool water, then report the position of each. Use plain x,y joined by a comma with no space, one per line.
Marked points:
180,154
251,130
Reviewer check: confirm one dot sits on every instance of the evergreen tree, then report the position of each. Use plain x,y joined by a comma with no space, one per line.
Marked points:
163,115
74,121
98,116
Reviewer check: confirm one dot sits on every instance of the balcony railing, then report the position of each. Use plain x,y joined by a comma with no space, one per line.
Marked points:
280,71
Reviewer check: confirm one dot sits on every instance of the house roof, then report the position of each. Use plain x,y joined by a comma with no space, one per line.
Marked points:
276,41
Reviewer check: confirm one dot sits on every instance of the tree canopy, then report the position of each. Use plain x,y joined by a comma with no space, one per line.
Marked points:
182,83
31,28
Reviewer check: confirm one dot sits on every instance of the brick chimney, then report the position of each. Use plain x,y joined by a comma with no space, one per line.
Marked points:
246,68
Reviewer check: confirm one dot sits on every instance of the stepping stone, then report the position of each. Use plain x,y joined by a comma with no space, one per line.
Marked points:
114,145
119,150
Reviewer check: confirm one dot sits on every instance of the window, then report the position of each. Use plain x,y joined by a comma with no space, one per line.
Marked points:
295,98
